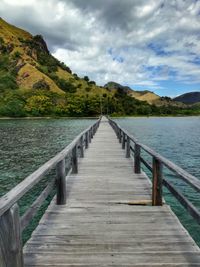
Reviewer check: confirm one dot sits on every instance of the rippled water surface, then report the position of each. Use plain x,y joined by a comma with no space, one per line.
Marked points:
178,139
27,144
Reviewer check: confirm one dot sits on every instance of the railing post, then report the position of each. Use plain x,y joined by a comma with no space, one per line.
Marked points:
10,239
137,163
157,183
89,136
61,183
74,160
92,132
81,147
86,140
128,147
120,135
123,140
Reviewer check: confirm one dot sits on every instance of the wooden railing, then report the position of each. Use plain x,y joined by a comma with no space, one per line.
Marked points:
132,146
11,225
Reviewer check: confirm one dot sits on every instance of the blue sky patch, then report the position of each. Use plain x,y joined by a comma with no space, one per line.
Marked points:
158,49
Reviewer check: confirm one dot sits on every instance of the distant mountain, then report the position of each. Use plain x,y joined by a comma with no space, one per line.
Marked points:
189,98
148,96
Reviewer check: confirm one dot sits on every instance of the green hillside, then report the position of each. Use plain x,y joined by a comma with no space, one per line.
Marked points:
34,83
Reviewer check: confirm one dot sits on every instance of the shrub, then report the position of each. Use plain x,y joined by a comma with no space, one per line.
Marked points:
39,105
41,84
66,86
86,78
7,81
92,83
88,89
16,55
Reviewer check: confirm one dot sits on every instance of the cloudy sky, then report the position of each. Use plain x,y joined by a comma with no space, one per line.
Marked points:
152,45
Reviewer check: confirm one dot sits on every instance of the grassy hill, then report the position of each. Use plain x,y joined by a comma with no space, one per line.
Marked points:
34,63
148,96
34,83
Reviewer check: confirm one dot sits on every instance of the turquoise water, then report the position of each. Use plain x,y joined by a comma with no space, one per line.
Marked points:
178,139
27,144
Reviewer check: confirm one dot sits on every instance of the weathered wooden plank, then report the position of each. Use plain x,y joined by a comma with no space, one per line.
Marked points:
114,258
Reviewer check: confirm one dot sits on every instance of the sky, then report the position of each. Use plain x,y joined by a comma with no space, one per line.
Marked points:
148,45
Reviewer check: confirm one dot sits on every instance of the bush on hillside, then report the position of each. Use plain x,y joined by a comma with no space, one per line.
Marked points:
66,86
41,84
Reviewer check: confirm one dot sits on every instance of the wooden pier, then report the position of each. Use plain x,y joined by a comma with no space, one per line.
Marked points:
109,214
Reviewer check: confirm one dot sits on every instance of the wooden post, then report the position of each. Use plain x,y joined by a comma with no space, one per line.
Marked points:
120,135
157,183
61,183
74,160
92,132
89,136
137,163
81,147
128,147
86,140
10,239
94,129
123,140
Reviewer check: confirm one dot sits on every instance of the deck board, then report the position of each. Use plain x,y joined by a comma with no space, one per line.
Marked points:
98,227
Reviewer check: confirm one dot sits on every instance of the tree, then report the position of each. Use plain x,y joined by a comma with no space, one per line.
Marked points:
86,78
39,105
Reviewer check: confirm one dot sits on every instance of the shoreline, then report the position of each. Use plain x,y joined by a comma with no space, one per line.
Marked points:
41,118
119,116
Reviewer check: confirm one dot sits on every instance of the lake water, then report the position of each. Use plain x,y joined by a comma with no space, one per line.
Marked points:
178,139
27,144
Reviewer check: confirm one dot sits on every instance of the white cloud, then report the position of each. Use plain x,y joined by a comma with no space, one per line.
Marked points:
131,42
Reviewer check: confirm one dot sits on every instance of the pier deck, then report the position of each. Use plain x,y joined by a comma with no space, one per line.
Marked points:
104,222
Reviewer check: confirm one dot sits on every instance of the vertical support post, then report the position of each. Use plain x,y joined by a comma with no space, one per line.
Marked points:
116,131
11,254
157,183
81,147
128,148
120,135
89,135
123,140
86,140
137,163
92,132
74,160
61,183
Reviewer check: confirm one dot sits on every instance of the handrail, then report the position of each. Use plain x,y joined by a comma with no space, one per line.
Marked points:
10,221
156,169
